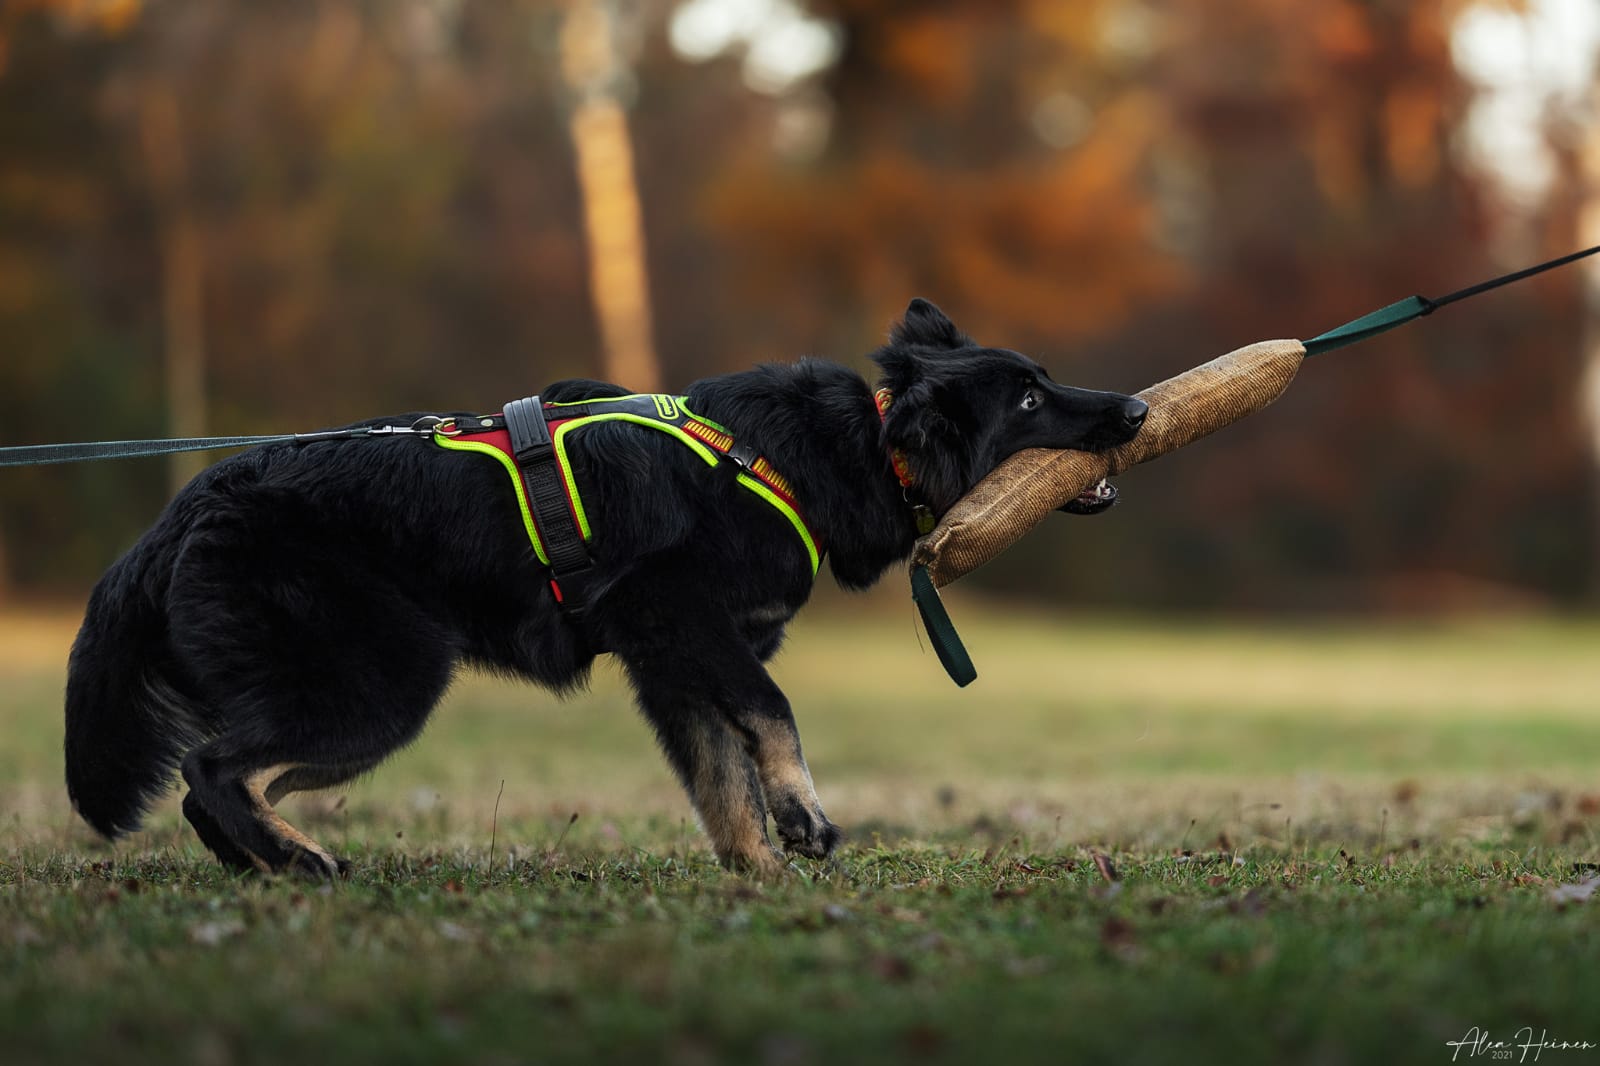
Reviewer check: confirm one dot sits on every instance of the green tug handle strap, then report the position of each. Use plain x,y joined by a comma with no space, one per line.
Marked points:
1387,318
1398,314
941,631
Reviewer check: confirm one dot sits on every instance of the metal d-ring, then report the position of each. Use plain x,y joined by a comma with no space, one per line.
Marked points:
435,424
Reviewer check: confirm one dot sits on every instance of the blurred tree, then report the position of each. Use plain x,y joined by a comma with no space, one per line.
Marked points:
1589,235
182,271
987,154
618,282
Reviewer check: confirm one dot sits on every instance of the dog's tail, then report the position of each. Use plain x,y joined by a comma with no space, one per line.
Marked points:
127,726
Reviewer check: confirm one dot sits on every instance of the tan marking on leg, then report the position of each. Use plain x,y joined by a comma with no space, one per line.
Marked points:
728,808
259,787
782,766
274,782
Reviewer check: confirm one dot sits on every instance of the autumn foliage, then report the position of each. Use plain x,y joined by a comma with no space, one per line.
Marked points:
388,218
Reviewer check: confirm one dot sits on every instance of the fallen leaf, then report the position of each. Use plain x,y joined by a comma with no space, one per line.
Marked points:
1103,864
1116,932
891,968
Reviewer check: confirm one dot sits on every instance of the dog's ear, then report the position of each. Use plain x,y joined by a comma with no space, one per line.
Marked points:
926,326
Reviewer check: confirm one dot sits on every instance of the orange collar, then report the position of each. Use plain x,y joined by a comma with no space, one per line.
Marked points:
902,469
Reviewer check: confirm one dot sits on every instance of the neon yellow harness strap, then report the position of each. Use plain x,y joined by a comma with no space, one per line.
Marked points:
710,457
467,444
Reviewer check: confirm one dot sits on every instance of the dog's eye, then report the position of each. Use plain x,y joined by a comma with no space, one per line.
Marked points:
1030,400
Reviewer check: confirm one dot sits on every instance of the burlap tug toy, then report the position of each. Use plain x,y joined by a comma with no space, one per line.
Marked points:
1020,492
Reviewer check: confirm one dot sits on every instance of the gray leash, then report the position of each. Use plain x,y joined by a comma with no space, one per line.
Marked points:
45,454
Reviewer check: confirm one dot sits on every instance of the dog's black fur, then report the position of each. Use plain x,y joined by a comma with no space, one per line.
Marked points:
297,611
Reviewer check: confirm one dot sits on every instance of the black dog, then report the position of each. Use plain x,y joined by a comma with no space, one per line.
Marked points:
298,610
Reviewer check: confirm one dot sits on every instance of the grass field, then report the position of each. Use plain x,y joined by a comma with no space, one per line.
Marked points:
1128,841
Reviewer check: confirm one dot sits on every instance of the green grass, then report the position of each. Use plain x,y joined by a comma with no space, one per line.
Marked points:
1322,843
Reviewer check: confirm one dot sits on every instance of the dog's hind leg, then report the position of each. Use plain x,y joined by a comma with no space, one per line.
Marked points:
228,791
211,835
312,668
256,836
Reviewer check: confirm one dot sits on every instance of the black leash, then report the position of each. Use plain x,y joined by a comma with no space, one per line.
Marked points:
1403,311
942,632
46,454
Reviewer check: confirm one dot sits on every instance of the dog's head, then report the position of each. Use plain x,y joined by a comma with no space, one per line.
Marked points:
958,409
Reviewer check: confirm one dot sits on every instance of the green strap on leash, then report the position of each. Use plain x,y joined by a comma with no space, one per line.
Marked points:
1380,321
942,632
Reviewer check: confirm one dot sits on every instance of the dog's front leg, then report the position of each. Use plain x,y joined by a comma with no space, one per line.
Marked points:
774,740
711,759
724,725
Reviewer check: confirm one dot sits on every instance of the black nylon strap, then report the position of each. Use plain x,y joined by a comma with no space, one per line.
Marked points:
547,499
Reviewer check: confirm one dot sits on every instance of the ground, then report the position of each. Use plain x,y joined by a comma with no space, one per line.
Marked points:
1128,841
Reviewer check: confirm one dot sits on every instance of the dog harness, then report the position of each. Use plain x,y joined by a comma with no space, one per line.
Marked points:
529,439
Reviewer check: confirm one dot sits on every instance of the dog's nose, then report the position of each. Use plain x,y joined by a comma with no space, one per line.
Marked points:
1133,412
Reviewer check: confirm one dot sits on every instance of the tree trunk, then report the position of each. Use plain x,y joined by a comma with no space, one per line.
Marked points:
612,218
182,277
1589,392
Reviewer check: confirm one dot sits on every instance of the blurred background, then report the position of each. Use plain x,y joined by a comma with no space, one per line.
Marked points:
240,217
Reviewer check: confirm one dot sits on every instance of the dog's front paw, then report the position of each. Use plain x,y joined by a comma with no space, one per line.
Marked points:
805,830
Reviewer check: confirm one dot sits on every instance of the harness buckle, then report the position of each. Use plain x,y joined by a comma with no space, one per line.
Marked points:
743,456
573,589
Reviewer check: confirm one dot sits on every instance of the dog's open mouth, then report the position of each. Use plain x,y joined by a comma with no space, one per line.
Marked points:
1098,497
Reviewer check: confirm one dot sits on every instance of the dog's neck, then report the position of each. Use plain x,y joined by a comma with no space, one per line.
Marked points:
815,421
